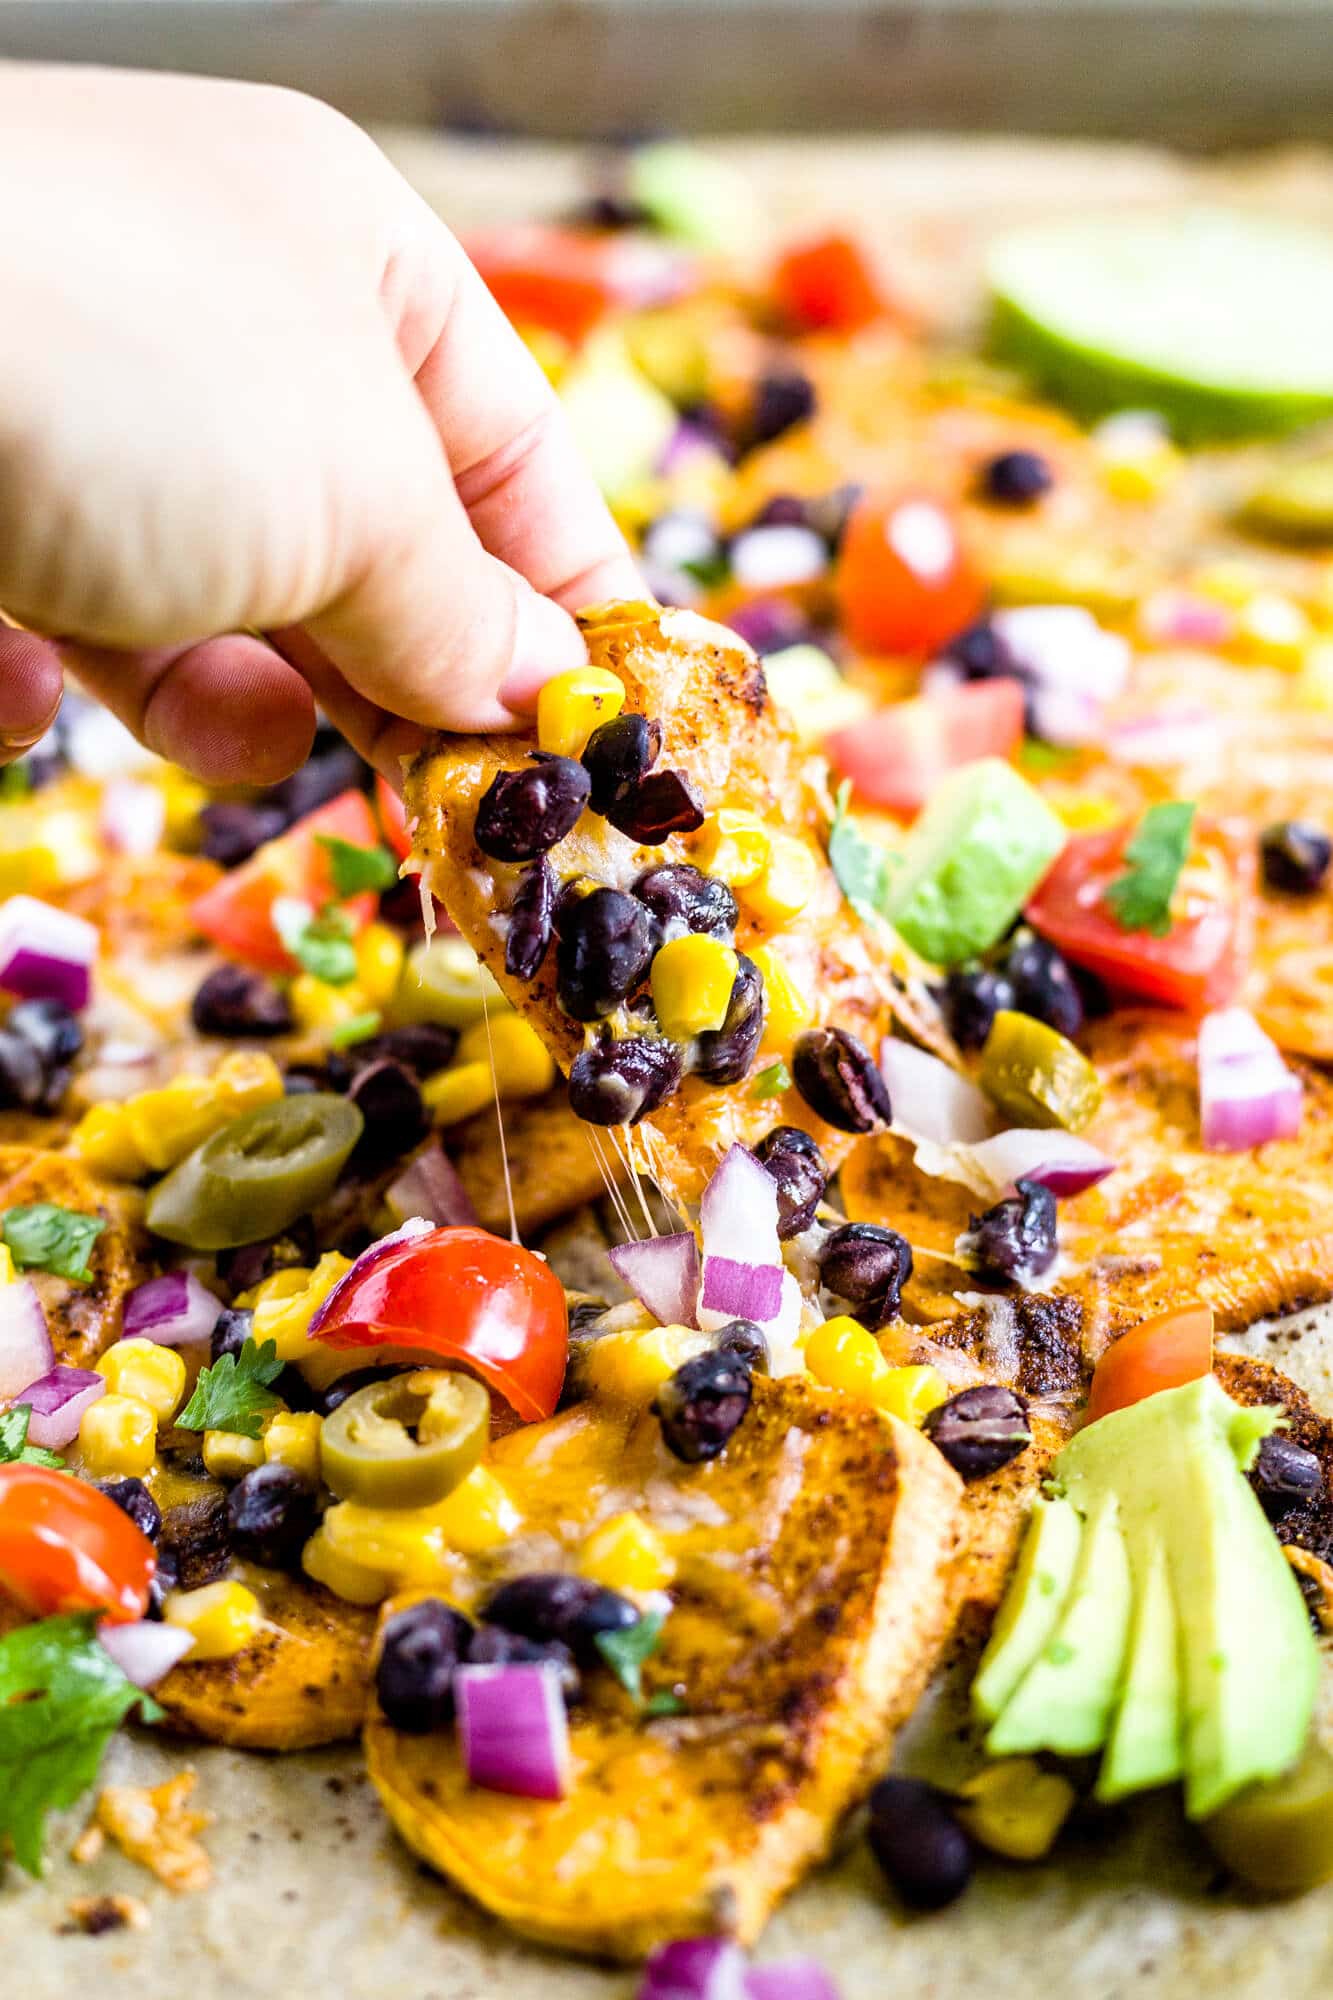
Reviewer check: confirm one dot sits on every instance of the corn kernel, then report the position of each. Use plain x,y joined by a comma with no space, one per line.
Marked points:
118,1438
184,798
284,1316
101,1139
458,1092
787,1012
573,704
630,1367
692,980
548,349
1145,477
733,846
318,1007
1314,685
1015,1808
1233,582
367,1553
1273,629
523,1064
284,1284
6,1265
228,1455
843,1355
786,885
627,1553
1084,812
164,1125
911,1393
478,1515
150,1373
291,1438
354,1581
222,1618
380,956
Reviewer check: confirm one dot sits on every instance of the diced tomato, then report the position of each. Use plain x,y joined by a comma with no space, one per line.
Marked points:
567,279
393,818
905,581
1203,957
896,757
828,284
65,1547
237,913
1161,1353
467,1296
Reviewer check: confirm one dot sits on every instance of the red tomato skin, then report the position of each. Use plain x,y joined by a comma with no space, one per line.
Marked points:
467,1296
905,581
896,757
65,1547
1160,1353
828,285
236,913
1198,965
567,280
393,818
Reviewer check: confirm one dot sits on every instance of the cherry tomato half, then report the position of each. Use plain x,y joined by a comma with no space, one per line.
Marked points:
568,279
237,913
905,582
65,1547
1161,1353
828,284
1202,959
896,758
467,1296
393,818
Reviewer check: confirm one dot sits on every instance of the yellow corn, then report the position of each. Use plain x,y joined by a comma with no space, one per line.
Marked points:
734,846
284,1314
786,885
184,798
148,1372
367,1553
523,1065
1314,685
44,847
284,1284
627,1553
291,1438
1015,1808
155,1129
549,350
228,1455
380,956
1085,812
911,1393
692,978
787,1012
458,1092
1273,629
222,1618
573,704
1144,477
478,1515
102,1141
843,1355
6,1265
1233,582
318,1007
629,1367
117,1438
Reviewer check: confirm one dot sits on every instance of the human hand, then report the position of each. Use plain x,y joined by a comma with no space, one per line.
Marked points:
250,383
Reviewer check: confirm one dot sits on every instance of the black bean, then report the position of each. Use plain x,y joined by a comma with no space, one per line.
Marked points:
551,1604
684,899
784,397
619,755
829,513
970,998
1295,857
745,1340
233,1327
789,1156
235,1001
1285,1474
164,1578
1016,1238
347,1385
923,1851
388,1098
840,1080
1016,478
492,1645
606,944
980,1429
333,767
982,654
530,915
400,905
23,1074
1042,983
133,1498
334,1073
55,1032
242,1269
702,1405
414,1679
196,1538
868,1266
272,1514
233,830
724,1055
422,1047
524,813
663,803
617,1081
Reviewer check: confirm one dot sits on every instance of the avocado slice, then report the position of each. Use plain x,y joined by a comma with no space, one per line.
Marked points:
1032,1606
1145,1748
1295,502
1065,1700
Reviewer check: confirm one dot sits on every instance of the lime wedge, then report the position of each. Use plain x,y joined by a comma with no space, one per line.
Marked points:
1221,321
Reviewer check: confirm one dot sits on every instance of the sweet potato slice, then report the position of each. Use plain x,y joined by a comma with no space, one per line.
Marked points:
809,1607
553,1167
84,1319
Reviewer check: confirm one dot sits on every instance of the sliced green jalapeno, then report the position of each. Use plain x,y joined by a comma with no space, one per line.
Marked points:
406,1442
255,1177
1036,1075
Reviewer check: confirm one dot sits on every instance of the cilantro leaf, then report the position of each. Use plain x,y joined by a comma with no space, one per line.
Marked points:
46,1238
231,1395
863,868
664,1703
321,945
626,1651
359,1029
14,1446
61,1699
356,868
1045,758
1140,899
771,1082
15,782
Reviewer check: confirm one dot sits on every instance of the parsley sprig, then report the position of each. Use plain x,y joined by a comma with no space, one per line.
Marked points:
321,945
14,1446
43,1237
233,1394
625,1653
1140,899
864,869
356,868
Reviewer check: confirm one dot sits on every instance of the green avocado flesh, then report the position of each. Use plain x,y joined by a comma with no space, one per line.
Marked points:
971,861
1182,1647
1218,320
1032,1606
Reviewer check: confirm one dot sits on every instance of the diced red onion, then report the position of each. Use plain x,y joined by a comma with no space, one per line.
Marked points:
790,1979
132,817
146,1651
738,1215
513,1729
26,1352
429,1187
777,558
941,677
58,1400
415,1225
663,1275
1066,717
45,953
1063,646
703,1968
769,624
1185,618
930,1100
688,441
1057,1160
173,1310
741,1291
1247,1095
1179,734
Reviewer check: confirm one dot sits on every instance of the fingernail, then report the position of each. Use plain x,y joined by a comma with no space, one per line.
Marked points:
546,642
